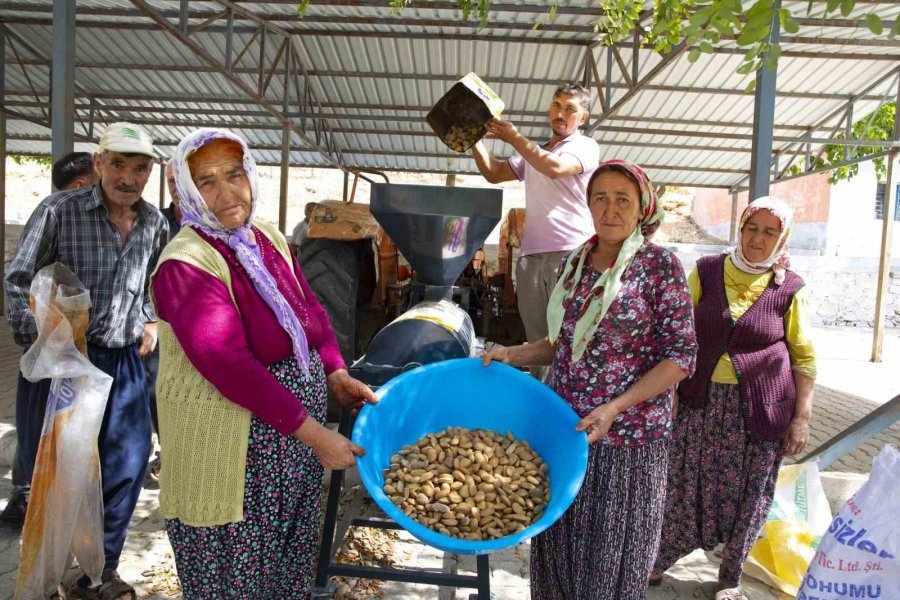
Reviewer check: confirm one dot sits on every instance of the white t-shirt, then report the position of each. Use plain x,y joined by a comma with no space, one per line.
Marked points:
557,217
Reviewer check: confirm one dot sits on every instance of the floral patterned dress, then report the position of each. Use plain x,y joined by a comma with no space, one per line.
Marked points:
270,553
604,546
721,480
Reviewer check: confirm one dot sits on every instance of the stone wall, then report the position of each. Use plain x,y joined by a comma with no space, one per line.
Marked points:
841,291
848,298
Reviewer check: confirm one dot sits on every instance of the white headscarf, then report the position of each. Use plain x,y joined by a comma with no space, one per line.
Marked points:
779,261
196,214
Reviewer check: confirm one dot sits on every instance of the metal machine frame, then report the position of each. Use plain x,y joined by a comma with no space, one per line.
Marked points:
333,534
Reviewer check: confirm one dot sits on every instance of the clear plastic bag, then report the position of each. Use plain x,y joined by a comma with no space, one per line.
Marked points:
65,511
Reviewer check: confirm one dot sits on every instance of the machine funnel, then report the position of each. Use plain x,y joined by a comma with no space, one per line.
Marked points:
436,228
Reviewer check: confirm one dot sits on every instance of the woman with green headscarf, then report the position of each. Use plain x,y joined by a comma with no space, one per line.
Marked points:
621,336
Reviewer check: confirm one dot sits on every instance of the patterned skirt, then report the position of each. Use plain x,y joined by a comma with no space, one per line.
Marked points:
721,483
604,545
269,554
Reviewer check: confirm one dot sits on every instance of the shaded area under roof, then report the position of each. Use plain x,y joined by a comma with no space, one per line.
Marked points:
354,81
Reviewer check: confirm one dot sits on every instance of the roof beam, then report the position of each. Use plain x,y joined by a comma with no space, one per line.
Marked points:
518,7
394,153
323,32
650,131
637,86
529,38
542,121
208,17
140,95
322,140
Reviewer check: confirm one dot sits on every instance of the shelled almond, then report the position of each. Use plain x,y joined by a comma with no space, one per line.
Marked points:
470,484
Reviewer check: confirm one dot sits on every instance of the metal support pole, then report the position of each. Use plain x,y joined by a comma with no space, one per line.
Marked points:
183,12
609,63
887,234
2,167
229,39
320,585
586,76
285,170
62,105
884,260
764,121
91,119
483,570
848,131
261,66
808,164
346,186
635,56
732,235
162,187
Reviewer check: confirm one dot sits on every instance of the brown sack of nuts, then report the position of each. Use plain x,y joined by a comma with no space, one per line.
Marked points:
469,484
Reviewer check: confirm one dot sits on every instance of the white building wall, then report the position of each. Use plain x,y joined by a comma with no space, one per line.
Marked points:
853,229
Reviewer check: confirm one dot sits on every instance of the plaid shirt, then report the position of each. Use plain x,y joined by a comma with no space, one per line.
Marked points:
73,227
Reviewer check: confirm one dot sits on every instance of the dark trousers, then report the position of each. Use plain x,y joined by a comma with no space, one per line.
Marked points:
151,365
31,404
124,442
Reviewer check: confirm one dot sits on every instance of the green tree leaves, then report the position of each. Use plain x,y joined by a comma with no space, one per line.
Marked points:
701,24
877,126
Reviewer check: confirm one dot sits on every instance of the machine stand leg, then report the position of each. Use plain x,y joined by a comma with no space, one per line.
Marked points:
321,587
483,571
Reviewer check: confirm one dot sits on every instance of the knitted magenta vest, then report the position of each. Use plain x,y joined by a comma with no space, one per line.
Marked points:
757,347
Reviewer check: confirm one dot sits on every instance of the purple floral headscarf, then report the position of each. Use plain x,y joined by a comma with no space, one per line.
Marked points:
196,214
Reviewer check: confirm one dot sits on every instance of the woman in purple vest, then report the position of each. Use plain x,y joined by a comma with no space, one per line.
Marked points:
621,336
749,401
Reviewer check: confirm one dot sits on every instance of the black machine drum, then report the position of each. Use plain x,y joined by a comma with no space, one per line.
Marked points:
427,333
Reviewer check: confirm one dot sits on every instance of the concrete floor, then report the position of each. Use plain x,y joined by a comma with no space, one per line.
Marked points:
848,388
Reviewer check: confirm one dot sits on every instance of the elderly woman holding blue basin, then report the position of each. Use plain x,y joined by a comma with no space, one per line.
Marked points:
247,360
621,336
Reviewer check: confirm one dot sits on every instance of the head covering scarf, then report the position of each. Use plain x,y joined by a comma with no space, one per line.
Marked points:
609,283
196,214
779,261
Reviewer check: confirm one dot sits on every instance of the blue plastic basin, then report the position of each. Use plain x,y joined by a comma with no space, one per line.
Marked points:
462,393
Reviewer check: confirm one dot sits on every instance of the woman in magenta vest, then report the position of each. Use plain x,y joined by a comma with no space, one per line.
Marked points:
621,336
749,401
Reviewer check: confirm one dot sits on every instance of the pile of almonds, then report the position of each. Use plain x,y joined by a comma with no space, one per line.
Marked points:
470,484
462,138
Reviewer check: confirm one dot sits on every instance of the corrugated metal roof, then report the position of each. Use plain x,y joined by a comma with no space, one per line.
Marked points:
375,75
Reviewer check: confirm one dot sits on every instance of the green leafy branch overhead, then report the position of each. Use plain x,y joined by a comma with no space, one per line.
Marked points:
703,24
700,24
877,126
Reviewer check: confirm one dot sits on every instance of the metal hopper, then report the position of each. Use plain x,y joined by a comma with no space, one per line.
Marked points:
437,229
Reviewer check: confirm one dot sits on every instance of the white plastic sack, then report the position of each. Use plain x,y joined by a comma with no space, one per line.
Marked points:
65,511
857,557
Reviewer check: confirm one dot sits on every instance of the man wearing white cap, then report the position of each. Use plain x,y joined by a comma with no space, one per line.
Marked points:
110,238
